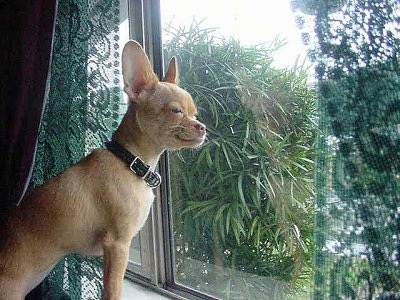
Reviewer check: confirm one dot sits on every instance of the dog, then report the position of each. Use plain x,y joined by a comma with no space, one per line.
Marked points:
99,204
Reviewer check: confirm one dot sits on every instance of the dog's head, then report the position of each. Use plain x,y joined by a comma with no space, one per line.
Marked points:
165,113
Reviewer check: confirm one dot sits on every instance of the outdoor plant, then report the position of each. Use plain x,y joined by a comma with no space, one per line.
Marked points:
244,200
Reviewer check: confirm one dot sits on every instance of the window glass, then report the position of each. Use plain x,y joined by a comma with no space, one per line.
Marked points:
242,204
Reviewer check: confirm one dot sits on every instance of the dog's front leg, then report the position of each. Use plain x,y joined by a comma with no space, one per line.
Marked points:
116,255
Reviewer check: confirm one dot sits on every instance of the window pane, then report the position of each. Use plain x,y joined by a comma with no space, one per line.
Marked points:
242,204
134,250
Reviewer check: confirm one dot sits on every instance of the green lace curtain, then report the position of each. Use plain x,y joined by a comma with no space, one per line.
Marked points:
80,114
356,48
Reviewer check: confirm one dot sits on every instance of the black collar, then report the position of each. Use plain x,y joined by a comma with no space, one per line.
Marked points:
135,164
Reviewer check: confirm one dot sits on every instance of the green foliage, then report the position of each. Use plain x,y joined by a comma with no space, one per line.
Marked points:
244,200
358,71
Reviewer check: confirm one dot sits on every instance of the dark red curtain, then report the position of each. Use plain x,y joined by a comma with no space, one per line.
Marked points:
26,33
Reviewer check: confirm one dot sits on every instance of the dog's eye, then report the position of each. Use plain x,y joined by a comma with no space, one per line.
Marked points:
176,110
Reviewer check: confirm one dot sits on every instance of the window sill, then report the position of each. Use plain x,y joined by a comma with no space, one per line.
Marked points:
132,290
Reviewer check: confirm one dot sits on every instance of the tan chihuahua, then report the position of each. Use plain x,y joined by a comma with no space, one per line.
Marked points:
98,205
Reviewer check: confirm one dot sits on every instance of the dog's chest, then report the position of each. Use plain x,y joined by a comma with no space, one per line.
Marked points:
125,221
131,207
142,201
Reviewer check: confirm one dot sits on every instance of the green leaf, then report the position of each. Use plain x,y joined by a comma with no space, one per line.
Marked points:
220,211
226,155
228,220
194,205
241,195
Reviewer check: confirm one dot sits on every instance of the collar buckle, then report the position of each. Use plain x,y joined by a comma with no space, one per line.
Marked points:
138,167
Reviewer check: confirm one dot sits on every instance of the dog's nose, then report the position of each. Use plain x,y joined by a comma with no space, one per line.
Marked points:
200,127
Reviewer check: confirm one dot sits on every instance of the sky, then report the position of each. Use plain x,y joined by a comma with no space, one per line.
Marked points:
251,21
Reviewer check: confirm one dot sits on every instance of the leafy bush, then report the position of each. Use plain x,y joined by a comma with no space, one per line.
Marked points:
244,200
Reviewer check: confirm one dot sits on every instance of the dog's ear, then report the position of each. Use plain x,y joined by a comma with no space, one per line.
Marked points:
172,75
136,70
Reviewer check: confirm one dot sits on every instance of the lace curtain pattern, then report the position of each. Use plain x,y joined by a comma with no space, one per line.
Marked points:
80,114
356,46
